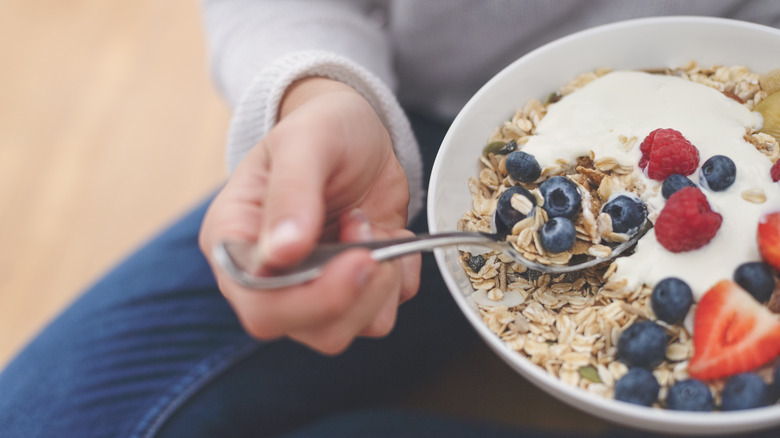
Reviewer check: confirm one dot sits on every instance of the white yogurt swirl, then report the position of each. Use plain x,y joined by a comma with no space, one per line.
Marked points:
632,104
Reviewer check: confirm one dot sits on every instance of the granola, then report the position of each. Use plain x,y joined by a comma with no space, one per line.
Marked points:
569,324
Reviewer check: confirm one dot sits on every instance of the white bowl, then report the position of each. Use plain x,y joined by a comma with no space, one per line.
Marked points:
634,44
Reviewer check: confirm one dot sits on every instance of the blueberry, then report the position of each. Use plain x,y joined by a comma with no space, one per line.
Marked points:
718,173
522,166
642,344
628,213
690,395
476,262
756,278
638,386
508,215
561,197
500,227
744,391
673,183
671,300
557,235
776,383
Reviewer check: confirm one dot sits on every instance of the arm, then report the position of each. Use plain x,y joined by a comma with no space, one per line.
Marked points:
258,48
319,159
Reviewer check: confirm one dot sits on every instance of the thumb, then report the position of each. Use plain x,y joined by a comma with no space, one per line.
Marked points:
294,207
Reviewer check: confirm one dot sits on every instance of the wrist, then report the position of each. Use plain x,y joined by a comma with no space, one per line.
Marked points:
303,90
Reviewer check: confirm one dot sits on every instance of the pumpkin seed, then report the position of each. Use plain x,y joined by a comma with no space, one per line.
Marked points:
591,373
499,148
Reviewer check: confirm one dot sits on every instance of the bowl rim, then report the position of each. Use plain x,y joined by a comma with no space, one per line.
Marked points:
608,409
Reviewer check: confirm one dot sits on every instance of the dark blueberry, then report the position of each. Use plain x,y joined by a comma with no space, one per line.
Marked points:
744,391
671,300
776,375
476,262
557,235
776,383
522,166
628,213
637,386
500,227
508,215
673,183
642,344
561,197
718,173
756,278
690,395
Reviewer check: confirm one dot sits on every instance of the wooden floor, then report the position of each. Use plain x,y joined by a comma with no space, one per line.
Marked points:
109,129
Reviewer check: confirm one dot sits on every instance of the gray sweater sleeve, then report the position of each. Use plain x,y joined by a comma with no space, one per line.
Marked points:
258,48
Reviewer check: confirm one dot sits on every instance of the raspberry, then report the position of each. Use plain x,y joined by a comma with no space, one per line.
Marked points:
774,172
666,151
686,222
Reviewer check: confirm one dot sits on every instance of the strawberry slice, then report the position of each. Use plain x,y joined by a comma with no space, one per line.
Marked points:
768,237
732,333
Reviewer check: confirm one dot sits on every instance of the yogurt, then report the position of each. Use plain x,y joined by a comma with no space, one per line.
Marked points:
632,104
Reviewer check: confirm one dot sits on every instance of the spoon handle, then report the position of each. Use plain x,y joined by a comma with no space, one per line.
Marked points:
235,256
390,249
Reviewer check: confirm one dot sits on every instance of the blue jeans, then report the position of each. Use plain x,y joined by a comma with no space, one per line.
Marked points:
154,350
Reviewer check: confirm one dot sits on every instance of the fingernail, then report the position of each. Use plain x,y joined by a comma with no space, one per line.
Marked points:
364,228
283,234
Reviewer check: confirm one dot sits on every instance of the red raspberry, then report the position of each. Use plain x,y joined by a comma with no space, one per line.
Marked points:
774,172
686,222
666,151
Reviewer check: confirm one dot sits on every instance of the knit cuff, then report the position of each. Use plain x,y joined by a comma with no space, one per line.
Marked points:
257,111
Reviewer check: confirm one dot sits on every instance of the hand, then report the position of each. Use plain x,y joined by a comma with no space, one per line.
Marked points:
326,171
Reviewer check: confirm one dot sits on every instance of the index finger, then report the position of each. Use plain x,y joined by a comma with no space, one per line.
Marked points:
269,314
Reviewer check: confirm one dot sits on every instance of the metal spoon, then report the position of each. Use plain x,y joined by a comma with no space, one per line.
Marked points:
235,257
